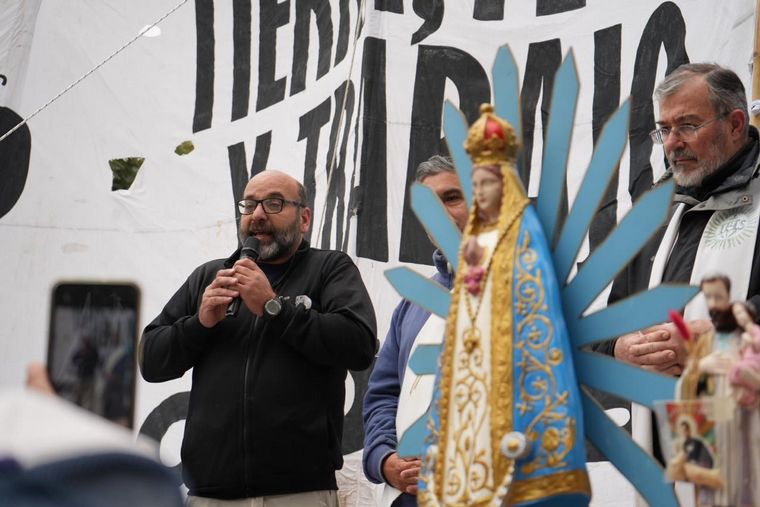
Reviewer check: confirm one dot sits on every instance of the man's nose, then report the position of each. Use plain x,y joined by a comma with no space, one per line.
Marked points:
672,142
258,212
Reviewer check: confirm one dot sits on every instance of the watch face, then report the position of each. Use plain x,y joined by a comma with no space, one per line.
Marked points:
273,307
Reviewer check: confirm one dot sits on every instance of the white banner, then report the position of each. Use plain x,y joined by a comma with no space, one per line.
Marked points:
318,89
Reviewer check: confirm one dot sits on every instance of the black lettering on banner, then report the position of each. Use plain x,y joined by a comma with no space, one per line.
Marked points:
273,15
344,31
607,47
436,64
432,12
204,65
360,18
549,7
238,166
241,70
14,159
666,27
3,80
544,59
395,6
353,425
488,10
311,125
173,409
304,8
336,173
354,194
371,198
607,58
352,197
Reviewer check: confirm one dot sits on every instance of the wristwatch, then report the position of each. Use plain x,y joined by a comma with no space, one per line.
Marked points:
273,307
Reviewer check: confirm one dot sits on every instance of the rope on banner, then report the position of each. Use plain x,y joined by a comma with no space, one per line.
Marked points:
72,85
340,122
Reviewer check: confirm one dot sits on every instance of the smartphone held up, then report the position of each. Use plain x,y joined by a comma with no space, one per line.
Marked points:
92,347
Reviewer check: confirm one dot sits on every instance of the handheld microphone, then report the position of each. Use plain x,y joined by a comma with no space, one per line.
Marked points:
250,250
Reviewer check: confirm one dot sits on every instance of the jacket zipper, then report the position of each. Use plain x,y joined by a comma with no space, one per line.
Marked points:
248,492
276,285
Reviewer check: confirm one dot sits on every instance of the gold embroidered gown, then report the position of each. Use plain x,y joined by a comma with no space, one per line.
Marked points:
507,424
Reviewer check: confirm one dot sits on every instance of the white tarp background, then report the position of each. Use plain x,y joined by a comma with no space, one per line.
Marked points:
67,224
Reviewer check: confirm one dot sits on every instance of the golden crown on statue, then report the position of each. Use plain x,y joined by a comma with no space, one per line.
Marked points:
491,140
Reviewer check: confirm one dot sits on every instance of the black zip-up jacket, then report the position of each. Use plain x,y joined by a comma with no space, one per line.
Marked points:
266,404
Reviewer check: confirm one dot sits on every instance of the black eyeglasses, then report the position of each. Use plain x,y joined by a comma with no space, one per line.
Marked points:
271,205
685,132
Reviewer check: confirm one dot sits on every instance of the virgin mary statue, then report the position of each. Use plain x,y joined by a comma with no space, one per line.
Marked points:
507,427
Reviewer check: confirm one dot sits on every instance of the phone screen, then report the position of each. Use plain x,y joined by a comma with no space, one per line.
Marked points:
91,351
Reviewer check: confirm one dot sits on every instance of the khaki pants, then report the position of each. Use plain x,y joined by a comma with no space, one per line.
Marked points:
326,498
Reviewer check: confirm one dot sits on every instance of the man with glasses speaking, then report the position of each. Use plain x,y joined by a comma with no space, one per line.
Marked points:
265,419
712,153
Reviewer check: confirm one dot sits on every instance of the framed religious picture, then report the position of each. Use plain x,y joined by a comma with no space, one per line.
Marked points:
688,437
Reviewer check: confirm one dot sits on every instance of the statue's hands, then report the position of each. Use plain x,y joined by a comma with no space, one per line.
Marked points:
658,348
747,376
402,473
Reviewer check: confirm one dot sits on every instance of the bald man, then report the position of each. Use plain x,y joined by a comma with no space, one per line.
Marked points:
265,419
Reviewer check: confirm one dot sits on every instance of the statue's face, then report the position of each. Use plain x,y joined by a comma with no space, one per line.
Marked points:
487,189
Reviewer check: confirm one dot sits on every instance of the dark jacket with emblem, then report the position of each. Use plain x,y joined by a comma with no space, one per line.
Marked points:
730,187
266,404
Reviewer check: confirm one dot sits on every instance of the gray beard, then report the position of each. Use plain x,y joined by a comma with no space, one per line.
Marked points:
283,241
705,168
282,244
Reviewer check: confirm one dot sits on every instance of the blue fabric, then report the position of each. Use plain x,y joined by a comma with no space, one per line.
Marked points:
113,479
384,387
545,322
538,266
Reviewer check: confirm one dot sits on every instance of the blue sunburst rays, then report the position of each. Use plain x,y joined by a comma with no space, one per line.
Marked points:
629,315
455,126
424,361
506,91
617,250
603,164
425,292
635,464
557,145
621,379
436,221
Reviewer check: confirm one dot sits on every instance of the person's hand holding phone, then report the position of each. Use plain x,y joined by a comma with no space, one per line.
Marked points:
37,378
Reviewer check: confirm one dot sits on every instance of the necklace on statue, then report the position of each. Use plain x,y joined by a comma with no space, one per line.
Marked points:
475,279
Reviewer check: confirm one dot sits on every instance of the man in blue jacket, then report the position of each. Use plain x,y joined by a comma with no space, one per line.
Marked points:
381,404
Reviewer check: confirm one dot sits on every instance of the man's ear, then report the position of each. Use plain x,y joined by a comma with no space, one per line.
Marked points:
305,220
738,121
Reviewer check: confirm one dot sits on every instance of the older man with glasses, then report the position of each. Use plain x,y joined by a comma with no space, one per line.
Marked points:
265,419
712,153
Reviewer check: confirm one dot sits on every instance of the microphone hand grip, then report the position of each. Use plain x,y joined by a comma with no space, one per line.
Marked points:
250,250
232,308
